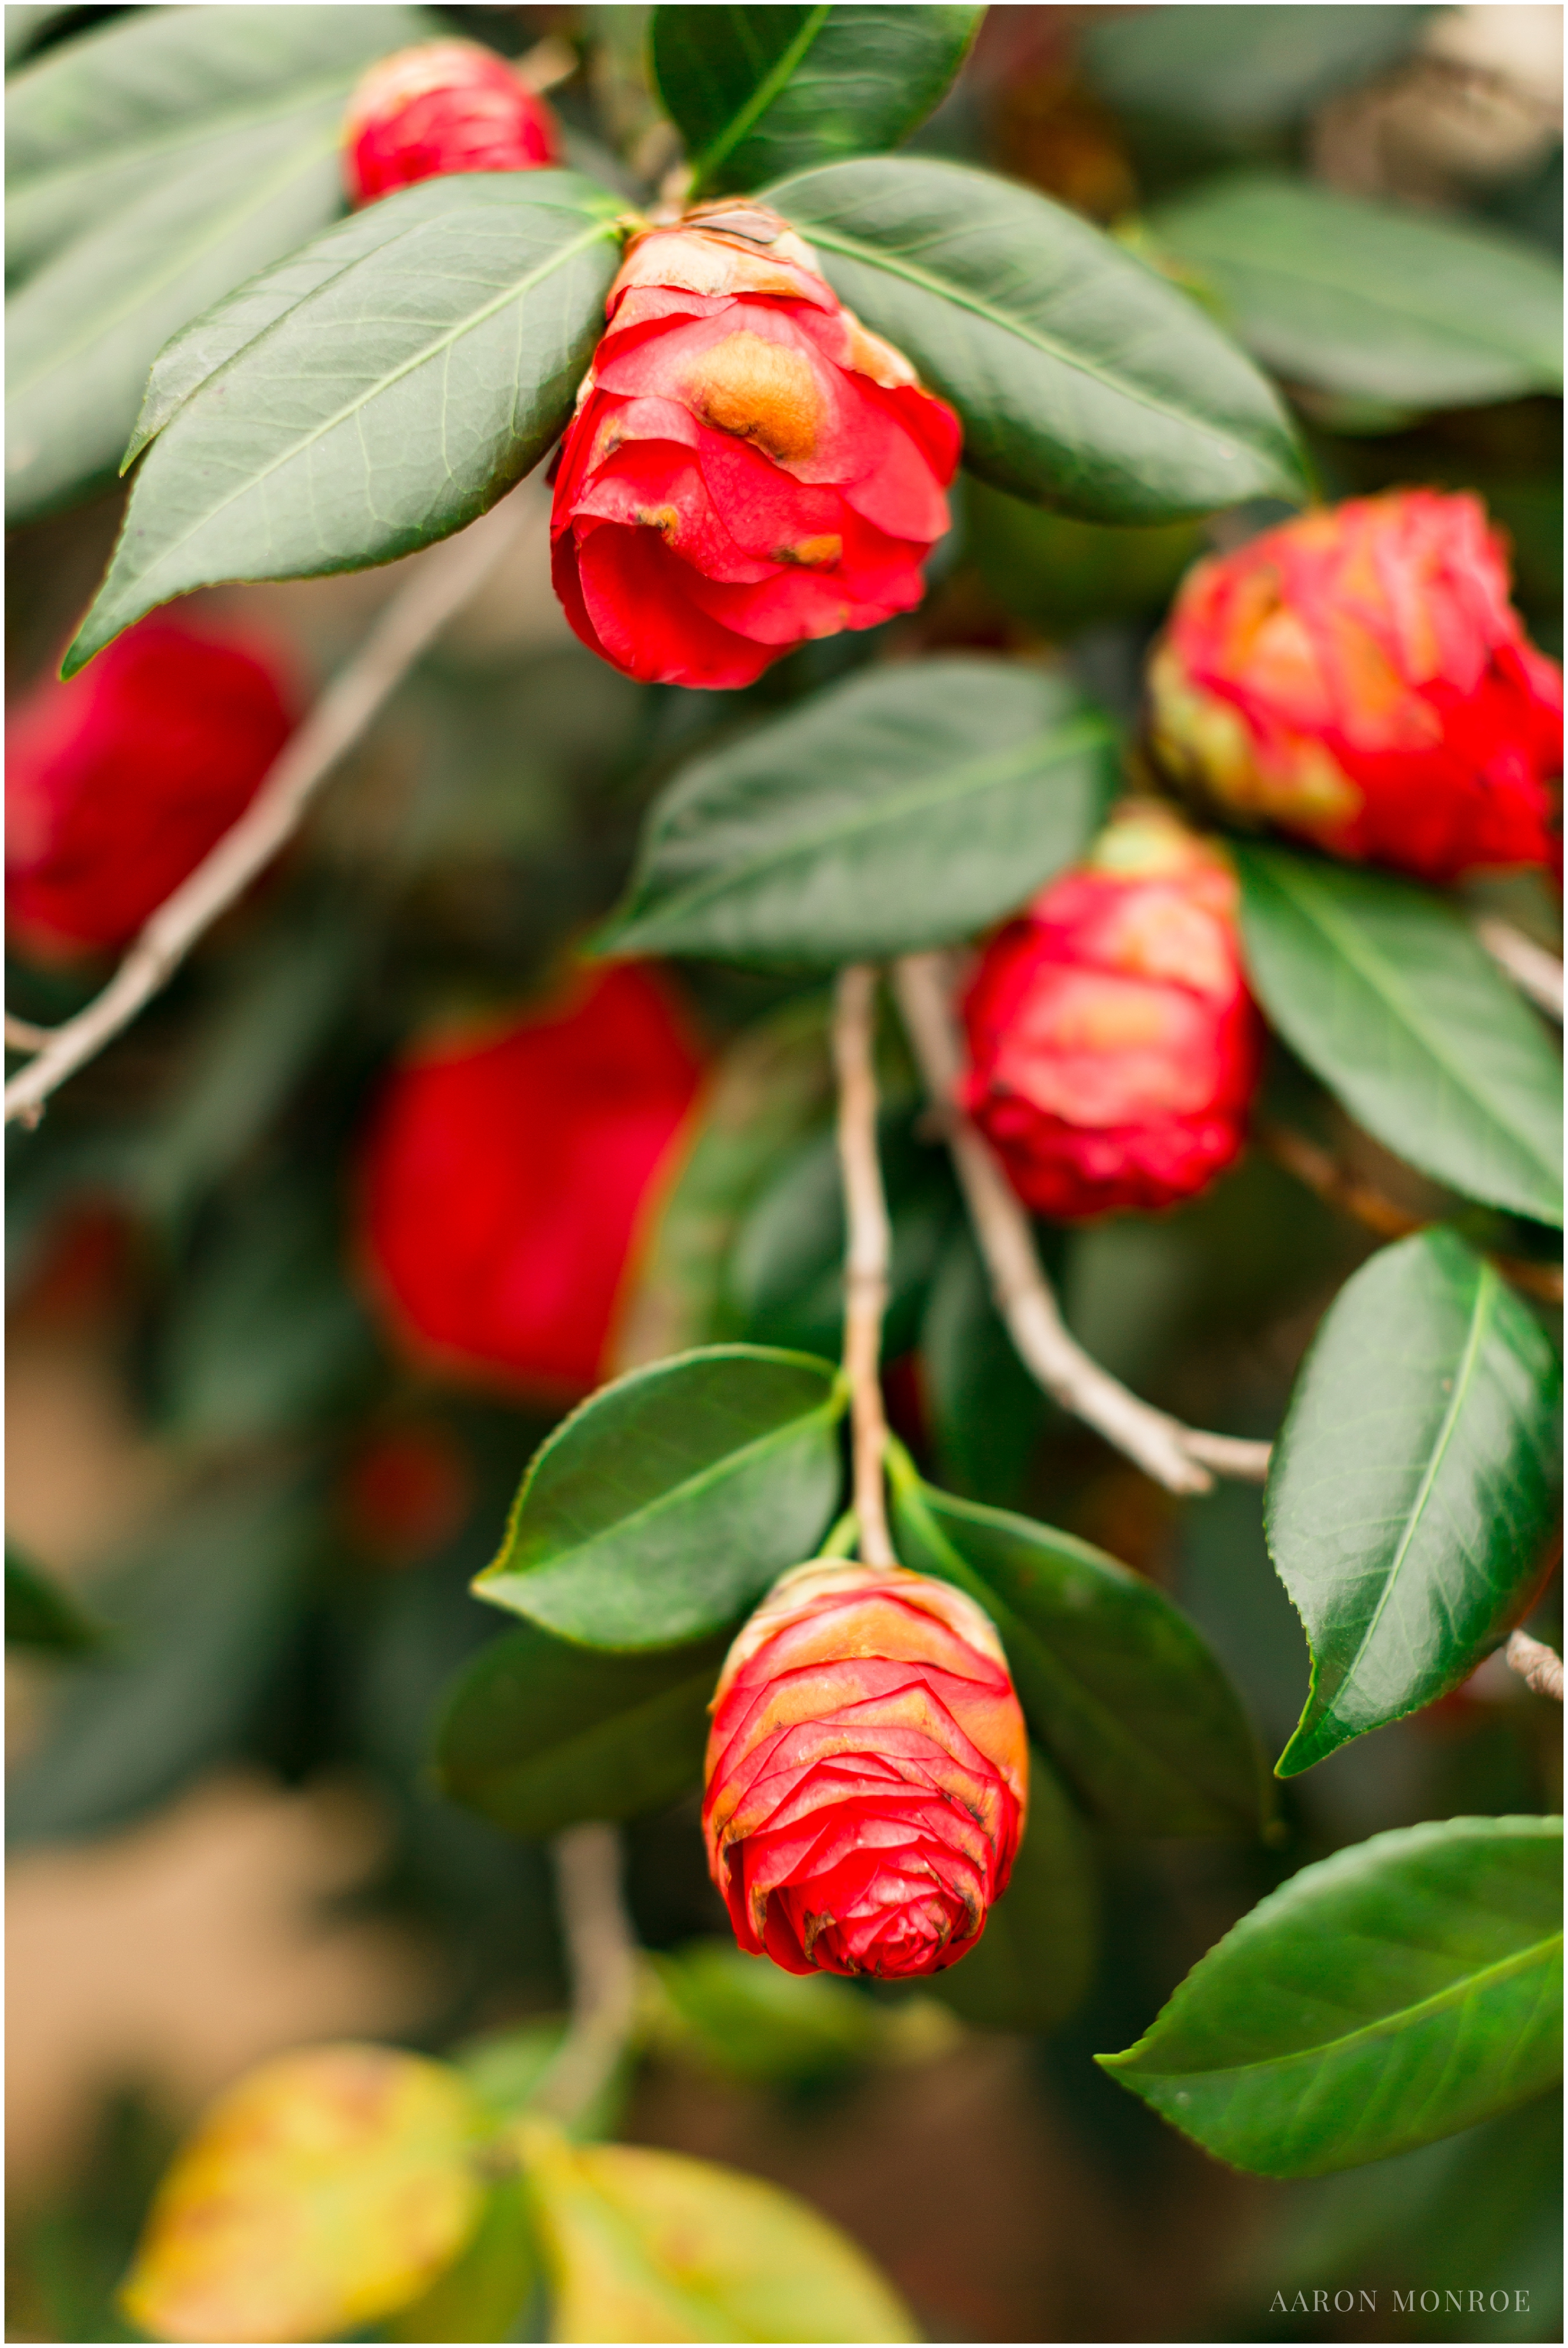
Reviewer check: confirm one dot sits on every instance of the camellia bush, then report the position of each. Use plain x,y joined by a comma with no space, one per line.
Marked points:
842,1100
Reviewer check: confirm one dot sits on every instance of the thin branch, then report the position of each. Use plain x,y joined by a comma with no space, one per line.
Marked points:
1535,973
1535,1663
23,1036
601,1957
442,583
1336,1186
1178,1456
868,1250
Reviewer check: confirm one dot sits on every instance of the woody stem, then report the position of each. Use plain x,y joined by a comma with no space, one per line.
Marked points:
601,1958
867,1249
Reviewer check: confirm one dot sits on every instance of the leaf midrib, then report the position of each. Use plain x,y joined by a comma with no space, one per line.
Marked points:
468,323
1382,980
674,1495
762,97
1214,250
953,785
1482,1310
874,256
251,199
1386,2025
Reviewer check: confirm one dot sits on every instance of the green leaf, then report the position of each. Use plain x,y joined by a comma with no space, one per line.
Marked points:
537,1735
39,1614
130,250
1035,1956
663,1507
987,1411
97,123
1399,1991
1082,379
1114,1682
1370,302
644,2245
755,91
398,397
750,2021
1241,71
327,2189
1413,1485
786,1271
900,810
1382,990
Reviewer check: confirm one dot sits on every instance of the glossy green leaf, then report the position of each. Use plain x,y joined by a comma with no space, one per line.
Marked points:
134,241
324,2190
755,91
1414,1484
1383,991
1114,1681
903,808
1082,379
1239,71
41,1614
539,1734
98,121
987,1411
1035,1956
394,400
643,2245
1370,302
663,1507
1399,1991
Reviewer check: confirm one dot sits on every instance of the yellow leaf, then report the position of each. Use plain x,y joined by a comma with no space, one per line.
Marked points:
649,2245
324,2190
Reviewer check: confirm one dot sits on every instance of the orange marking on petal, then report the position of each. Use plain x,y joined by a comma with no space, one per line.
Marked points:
761,391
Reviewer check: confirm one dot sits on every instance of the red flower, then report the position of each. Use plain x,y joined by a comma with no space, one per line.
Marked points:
747,467
442,106
867,1773
509,1176
1113,1047
1361,678
120,781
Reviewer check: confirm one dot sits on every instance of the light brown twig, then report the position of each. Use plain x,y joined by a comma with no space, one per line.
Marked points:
1181,1457
601,1959
1535,1663
1535,973
442,584
22,1036
868,1250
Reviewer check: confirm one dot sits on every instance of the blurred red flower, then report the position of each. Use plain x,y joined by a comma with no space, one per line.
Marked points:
509,1176
118,782
747,468
1359,677
867,1773
439,107
1113,1047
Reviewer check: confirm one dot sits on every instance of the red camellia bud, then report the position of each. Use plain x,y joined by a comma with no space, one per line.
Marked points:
747,467
867,1773
1114,1047
1359,677
442,106
510,1172
118,782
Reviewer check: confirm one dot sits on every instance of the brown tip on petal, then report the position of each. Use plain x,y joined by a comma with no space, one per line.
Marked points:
760,391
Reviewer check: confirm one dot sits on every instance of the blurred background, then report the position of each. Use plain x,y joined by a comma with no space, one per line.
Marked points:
223,1836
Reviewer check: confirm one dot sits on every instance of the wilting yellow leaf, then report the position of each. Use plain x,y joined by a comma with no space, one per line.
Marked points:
327,2189
649,2245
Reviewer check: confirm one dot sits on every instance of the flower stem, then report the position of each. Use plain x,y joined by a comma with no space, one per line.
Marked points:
866,1249
601,1958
